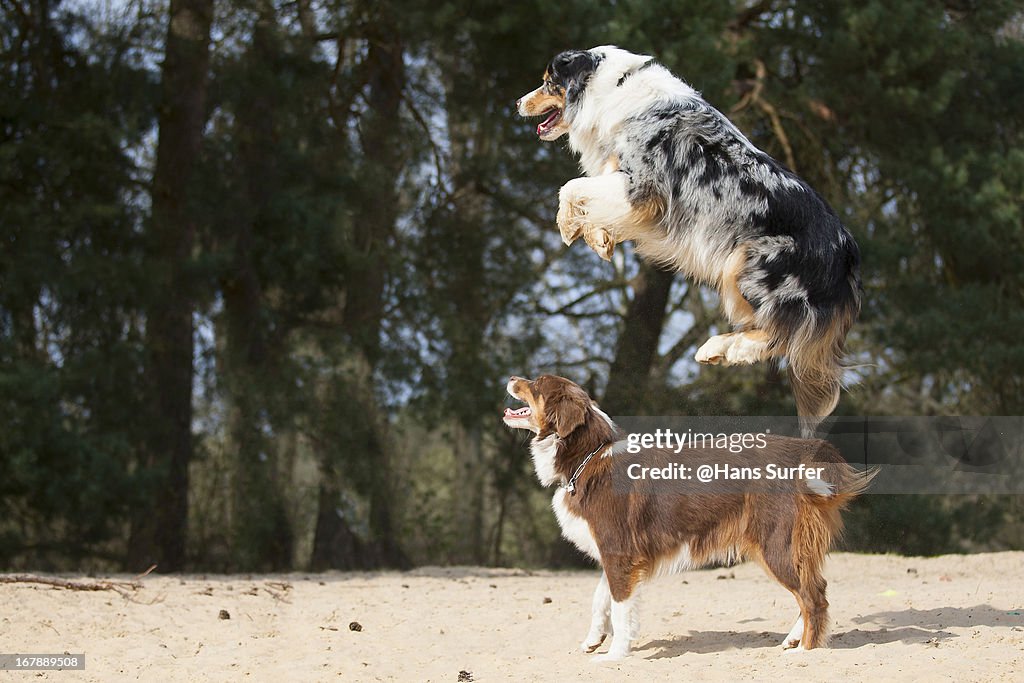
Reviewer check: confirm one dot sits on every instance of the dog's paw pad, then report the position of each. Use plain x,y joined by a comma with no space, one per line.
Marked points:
790,643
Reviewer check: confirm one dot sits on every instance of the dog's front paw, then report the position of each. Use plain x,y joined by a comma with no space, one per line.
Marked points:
572,215
601,242
570,223
592,642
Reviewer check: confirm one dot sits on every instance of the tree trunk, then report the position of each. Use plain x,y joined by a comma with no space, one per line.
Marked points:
335,545
159,526
375,216
638,342
262,535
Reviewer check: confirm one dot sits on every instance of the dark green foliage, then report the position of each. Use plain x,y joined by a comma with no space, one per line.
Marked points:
74,109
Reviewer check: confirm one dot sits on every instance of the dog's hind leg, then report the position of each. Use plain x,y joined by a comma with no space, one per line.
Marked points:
735,348
815,612
798,568
787,570
600,616
812,538
712,352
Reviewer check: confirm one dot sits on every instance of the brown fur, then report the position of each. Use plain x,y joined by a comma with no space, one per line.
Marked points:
542,102
786,527
737,309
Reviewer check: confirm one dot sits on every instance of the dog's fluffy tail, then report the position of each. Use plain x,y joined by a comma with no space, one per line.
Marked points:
839,485
815,354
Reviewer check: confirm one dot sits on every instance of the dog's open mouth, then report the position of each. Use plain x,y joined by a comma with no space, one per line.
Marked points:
517,414
553,116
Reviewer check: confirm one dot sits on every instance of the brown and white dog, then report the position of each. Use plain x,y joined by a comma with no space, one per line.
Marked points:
637,531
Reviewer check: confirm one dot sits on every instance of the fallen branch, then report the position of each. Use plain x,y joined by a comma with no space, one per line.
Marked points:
121,587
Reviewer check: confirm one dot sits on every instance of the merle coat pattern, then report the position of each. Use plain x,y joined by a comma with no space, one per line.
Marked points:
670,172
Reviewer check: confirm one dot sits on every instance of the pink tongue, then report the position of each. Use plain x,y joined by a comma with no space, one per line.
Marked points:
546,122
508,412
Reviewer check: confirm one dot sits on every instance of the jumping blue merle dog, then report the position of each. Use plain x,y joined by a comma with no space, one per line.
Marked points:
670,172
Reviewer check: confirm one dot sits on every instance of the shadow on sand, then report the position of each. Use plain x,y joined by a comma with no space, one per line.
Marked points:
924,627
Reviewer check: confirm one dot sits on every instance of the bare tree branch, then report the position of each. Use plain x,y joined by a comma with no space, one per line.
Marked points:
755,97
422,122
603,287
702,320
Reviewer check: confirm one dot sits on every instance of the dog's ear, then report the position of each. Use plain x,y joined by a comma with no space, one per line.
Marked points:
570,413
572,69
567,65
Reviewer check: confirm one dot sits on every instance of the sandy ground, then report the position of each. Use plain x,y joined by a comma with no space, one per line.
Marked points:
894,618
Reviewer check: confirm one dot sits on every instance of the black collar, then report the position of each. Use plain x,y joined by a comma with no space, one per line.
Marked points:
649,62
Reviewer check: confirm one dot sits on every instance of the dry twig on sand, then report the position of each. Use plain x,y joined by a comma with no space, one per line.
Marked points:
124,588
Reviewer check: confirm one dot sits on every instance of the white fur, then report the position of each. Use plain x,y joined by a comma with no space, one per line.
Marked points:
795,634
619,447
600,616
680,562
734,348
624,628
587,206
543,452
746,350
820,487
604,416
608,105
574,528
713,350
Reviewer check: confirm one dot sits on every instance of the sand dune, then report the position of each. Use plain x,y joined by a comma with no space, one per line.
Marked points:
894,618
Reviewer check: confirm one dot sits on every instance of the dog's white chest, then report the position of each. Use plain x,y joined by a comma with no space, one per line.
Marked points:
574,527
